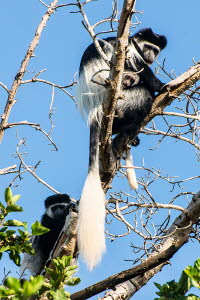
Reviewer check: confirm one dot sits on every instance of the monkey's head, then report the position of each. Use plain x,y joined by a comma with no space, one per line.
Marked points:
149,44
58,206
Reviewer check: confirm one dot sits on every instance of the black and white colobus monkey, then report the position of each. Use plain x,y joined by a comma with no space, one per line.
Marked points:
139,85
57,208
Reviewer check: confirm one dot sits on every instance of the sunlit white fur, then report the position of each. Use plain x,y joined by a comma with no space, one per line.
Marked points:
31,262
130,171
91,218
91,95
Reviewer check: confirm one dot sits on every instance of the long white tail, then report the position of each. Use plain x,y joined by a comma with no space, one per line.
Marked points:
130,171
91,218
91,236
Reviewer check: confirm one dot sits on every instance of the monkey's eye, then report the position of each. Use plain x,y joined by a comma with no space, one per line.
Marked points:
60,211
57,207
150,48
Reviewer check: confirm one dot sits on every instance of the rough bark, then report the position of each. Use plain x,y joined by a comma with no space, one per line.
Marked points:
115,79
178,235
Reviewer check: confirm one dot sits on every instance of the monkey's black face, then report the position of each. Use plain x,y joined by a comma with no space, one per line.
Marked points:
58,211
150,53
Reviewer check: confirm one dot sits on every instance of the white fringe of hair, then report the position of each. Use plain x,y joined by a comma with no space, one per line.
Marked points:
91,95
91,216
91,219
31,262
130,171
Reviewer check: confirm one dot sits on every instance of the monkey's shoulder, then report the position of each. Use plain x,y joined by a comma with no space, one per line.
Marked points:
91,52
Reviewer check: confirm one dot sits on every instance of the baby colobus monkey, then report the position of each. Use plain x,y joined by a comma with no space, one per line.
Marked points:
139,85
57,208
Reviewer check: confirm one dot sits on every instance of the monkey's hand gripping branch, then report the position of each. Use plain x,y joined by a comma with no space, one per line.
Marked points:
169,92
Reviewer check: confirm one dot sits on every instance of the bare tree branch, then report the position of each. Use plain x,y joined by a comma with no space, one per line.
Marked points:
181,229
115,78
32,172
18,78
8,170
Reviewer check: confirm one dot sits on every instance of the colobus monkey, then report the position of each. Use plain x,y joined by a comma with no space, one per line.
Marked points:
139,85
57,208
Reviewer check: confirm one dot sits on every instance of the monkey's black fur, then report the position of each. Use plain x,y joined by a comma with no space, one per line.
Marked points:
139,85
46,241
57,208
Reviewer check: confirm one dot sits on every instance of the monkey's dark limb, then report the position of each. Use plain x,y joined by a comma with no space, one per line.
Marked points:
147,76
170,92
135,142
67,241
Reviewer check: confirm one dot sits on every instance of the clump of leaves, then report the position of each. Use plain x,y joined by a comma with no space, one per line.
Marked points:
17,241
11,241
51,289
17,289
173,290
60,276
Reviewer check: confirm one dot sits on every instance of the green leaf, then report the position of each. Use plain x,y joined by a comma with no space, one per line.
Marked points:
37,283
8,195
185,282
15,198
59,294
197,264
6,292
33,286
23,234
4,248
14,256
4,234
70,268
27,247
12,283
73,281
10,232
14,223
28,289
14,208
2,206
192,297
53,274
3,229
194,274
38,229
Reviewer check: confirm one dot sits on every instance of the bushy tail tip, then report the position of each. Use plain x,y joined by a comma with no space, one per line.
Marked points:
91,219
130,171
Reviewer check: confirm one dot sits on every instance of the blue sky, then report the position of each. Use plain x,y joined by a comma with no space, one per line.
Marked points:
59,51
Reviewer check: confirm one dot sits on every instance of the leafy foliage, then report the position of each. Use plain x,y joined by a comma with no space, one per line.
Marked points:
173,290
14,243
52,289
11,241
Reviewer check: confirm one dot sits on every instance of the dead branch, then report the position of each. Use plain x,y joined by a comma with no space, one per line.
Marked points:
8,170
181,228
36,126
62,88
115,78
29,169
20,74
